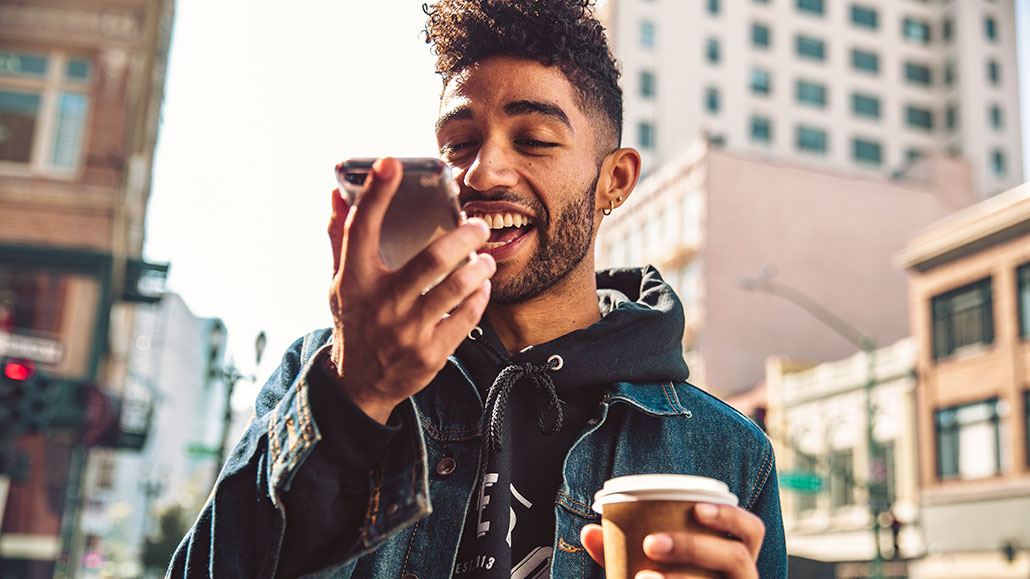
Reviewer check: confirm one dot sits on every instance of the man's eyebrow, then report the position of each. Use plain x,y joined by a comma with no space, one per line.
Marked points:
462,113
528,107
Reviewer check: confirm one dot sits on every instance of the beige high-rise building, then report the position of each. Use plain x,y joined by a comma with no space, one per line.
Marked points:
862,87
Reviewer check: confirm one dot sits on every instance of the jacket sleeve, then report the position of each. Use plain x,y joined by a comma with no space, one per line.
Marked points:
772,558
294,495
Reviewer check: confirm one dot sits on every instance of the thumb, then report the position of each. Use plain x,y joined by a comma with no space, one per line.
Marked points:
592,538
336,228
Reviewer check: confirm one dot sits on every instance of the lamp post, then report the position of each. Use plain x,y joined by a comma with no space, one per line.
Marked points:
877,469
229,374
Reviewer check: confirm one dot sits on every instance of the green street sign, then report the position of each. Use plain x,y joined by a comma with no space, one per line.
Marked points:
800,481
197,449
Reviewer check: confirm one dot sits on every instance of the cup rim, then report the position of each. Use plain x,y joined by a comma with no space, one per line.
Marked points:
663,487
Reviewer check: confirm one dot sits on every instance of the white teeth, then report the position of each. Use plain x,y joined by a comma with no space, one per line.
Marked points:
495,244
502,220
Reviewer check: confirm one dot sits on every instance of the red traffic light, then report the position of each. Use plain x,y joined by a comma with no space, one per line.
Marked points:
19,369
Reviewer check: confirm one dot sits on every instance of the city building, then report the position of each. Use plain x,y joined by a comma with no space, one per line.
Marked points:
969,280
180,357
862,87
81,86
817,420
713,219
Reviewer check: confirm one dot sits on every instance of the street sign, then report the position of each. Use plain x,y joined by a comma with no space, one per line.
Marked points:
39,350
800,481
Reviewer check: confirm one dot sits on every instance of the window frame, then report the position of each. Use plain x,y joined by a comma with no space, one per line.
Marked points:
858,55
766,35
1023,300
909,24
911,110
917,74
948,418
755,120
857,97
757,88
799,141
801,40
51,86
811,94
858,143
943,341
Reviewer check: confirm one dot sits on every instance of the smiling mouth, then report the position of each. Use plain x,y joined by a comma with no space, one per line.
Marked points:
505,227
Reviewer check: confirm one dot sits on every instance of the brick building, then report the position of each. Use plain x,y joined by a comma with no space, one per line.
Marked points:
970,312
81,86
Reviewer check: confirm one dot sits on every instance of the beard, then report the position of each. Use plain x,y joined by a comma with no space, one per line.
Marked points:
558,252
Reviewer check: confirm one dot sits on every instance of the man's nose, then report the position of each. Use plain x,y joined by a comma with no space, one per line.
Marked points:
491,169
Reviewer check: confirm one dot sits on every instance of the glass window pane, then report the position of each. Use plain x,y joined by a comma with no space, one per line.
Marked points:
646,84
863,16
760,35
760,81
918,74
811,93
866,61
1024,305
919,118
646,135
712,50
78,69
866,151
760,130
915,30
811,139
865,106
18,115
990,29
811,6
646,34
810,47
71,124
712,99
19,64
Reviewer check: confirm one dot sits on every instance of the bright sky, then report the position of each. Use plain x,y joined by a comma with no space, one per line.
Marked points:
263,98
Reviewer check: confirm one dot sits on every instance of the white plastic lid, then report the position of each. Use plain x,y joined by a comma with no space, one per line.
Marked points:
663,487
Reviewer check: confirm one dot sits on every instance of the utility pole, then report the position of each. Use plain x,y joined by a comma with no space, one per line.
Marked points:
877,469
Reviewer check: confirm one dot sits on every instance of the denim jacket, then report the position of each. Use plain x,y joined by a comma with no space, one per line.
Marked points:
417,505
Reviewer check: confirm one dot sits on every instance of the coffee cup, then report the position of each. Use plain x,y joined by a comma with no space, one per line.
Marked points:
633,507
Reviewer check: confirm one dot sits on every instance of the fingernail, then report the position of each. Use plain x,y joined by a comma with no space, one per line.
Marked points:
491,263
705,510
383,169
659,544
648,575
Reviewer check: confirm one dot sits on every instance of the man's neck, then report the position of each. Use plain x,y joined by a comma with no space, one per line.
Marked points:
571,304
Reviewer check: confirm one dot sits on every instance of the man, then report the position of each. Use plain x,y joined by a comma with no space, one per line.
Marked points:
463,430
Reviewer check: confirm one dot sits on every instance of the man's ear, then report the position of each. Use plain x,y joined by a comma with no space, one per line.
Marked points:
619,173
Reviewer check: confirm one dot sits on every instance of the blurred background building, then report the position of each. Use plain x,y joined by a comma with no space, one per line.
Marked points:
862,87
81,87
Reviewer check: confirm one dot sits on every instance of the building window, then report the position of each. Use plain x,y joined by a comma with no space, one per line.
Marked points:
811,140
915,30
760,36
962,318
865,106
811,6
761,130
811,93
865,61
950,117
919,118
647,34
647,84
995,117
949,74
842,478
886,452
761,82
947,29
712,100
807,464
864,16
645,135
713,7
991,29
810,47
44,103
1026,424
998,163
712,50
969,440
1023,283
918,74
993,72
867,152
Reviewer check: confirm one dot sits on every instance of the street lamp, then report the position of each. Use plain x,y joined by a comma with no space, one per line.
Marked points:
229,374
877,472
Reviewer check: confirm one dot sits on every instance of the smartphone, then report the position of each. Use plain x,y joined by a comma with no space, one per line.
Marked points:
424,207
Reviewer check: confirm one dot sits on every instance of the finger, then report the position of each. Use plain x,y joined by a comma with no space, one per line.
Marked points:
336,228
592,538
370,209
735,521
715,553
450,331
442,256
456,287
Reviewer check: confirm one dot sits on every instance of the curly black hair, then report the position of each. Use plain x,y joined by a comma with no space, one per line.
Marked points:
562,33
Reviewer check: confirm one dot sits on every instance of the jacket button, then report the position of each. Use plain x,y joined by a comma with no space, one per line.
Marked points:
445,466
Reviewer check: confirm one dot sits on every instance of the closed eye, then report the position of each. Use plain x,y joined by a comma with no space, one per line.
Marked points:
535,143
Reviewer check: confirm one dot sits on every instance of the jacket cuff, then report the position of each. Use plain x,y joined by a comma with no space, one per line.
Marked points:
353,440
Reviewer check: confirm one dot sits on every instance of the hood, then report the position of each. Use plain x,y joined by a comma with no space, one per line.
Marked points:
638,338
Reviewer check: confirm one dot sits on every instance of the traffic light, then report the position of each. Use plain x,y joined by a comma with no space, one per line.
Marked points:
27,398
